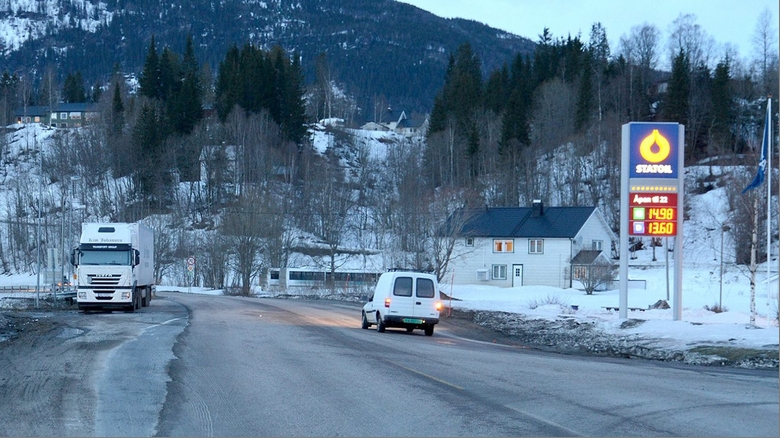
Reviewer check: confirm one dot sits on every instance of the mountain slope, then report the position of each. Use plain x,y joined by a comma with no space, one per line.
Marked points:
374,47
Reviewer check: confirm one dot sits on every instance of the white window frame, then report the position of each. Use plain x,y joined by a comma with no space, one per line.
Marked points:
535,246
498,272
597,245
469,241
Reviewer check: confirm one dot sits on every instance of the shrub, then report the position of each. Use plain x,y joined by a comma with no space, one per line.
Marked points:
549,299
716,308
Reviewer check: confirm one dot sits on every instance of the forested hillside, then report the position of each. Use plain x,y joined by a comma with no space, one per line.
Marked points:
382,52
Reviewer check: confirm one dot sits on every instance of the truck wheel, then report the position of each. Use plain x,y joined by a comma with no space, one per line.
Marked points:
364,325
147,297
380,324
429,330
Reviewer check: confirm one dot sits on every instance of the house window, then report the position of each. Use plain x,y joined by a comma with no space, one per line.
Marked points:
503,246
63,116
469,241
536,246
499,272
580,272
597,245
53,116
37,119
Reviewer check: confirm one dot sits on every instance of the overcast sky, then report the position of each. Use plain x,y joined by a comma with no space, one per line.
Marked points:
726,21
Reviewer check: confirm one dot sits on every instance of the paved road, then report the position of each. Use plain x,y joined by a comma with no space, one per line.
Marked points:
201,365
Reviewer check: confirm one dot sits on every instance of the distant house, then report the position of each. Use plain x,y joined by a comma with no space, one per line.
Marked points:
403,125
523,246
63,115
32,114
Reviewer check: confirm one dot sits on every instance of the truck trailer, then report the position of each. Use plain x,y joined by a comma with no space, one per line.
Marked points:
114,266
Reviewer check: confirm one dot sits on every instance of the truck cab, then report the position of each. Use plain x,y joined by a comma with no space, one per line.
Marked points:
114,267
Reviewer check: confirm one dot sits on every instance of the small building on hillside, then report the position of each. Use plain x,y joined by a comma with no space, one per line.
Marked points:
32,114
525,246
409,127
63,115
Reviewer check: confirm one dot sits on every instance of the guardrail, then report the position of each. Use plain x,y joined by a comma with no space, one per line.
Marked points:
47,289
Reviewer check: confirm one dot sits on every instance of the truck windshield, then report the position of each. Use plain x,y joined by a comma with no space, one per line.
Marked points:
105,258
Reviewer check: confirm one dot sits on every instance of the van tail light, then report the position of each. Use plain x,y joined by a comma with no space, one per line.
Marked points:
438,306
387,302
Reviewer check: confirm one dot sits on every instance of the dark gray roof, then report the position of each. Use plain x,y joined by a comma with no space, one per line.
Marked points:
32,111
554,222
44,110
586,257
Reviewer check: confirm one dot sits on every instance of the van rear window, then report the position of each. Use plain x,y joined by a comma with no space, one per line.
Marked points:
425,288
403,287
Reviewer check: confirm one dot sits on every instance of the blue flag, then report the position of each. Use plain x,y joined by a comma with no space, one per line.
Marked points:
759,179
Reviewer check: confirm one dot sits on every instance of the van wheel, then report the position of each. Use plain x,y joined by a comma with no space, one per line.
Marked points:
380,324
429,330
364,325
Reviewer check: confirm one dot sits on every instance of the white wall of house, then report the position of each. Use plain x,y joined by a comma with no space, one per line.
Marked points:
594,230
477,264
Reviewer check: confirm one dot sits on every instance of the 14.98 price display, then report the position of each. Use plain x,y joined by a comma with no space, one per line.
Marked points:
653,215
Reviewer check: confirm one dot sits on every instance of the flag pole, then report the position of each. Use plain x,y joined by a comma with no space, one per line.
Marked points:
768,201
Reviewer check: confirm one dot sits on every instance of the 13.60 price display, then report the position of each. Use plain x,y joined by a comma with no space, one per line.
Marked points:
660,228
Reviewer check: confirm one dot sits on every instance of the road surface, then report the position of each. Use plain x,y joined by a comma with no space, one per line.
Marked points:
200,365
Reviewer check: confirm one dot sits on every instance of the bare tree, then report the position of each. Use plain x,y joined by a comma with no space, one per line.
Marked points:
765,52
448,214
687,35
599,273
248,227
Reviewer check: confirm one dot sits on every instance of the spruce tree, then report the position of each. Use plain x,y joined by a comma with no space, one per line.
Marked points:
722,104
228,87
149,82
676,103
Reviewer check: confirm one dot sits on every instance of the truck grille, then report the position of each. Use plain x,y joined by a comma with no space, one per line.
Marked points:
111,280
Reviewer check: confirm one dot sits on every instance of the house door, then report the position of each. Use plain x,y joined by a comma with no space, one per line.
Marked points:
517,275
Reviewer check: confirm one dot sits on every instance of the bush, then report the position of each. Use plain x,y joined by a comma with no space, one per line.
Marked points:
554,299
716,308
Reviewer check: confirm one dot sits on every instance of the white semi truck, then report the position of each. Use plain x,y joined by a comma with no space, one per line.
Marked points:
114,266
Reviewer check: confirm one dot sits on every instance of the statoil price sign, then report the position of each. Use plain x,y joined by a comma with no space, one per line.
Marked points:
651,194
652,215
655,175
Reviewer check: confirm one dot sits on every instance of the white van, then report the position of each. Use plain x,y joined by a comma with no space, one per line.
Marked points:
403,299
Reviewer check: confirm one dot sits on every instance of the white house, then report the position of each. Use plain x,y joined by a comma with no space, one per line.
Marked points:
523,246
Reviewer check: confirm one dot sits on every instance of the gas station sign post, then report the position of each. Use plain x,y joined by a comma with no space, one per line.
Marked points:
651,195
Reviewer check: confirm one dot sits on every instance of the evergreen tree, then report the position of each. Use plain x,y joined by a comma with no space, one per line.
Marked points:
149,82
294,124
117,113
497,90
722,104
675,107
170,75
97,92
186,107
228,89
585,105
73,89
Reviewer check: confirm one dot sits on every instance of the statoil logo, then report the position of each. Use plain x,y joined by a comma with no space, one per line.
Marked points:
654,149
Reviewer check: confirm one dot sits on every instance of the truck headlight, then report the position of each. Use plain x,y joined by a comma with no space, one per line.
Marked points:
82,295
125,295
